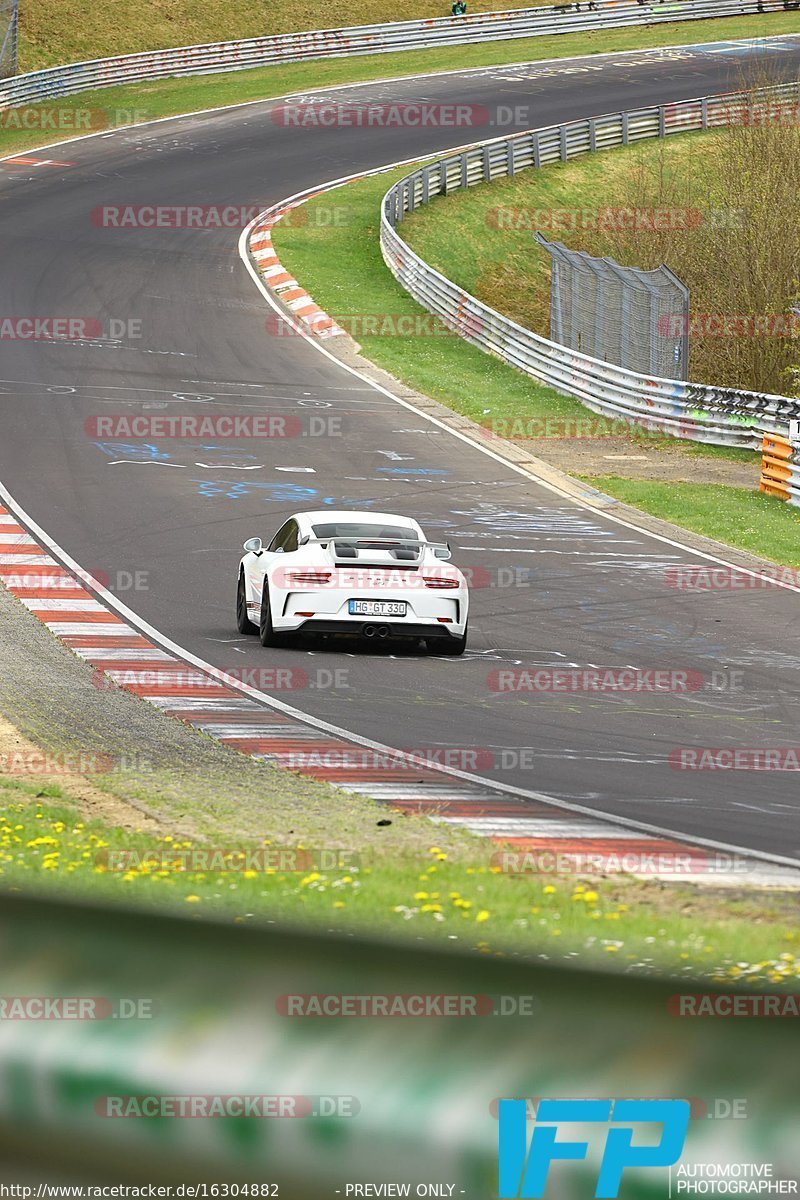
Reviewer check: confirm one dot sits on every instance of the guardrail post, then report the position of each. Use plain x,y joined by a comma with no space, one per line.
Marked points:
410,189
465,169
511,167
704,112
562,143
662,122
537,150
487,164
426,185
624,129
592,134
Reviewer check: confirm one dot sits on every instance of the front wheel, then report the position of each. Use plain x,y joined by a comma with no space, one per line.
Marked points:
243,622
452,647
266,633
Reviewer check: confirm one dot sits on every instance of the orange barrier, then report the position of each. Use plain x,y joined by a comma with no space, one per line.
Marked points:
776,466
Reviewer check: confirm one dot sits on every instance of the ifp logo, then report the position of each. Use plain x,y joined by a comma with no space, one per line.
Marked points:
524,1170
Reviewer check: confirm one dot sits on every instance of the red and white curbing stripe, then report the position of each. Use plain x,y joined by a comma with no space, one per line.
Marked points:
284,285
123,656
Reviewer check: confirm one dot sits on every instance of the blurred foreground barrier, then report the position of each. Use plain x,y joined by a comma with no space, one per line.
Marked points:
362,39
218,1012
699,412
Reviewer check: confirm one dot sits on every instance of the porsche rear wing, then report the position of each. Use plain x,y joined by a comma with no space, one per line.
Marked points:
440,549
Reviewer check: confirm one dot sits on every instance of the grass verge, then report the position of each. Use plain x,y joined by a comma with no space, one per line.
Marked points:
170,97
640,927
49,36
749,520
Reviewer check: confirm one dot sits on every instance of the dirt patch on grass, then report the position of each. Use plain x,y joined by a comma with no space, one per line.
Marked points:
18,762
635,458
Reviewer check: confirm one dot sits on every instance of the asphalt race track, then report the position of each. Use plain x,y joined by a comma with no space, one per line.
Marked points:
586,591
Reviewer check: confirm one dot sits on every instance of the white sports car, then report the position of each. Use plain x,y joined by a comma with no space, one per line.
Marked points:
371,575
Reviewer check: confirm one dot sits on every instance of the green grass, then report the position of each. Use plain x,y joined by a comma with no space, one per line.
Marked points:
60,31
56,31
752,521
45,846
114,33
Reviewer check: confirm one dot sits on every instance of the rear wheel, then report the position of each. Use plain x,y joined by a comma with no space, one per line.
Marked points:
266,633
243,622
451,647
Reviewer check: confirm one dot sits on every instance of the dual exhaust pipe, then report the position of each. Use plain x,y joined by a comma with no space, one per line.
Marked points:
375,631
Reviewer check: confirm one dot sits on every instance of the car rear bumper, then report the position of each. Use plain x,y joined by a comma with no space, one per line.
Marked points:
377,626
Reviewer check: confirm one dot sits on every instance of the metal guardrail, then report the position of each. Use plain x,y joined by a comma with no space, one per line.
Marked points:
699,412
362,39
208,1012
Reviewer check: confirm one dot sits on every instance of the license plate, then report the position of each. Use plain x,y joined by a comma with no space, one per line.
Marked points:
377,608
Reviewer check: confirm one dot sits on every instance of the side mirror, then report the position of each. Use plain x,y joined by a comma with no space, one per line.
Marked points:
443,552
252,546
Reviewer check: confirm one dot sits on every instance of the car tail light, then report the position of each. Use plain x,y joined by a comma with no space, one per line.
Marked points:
439,581
308,578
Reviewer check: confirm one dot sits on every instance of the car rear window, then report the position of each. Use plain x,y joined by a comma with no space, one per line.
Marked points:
347,529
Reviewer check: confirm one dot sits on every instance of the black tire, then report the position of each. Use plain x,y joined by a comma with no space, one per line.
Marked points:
452,647
243,622
267,635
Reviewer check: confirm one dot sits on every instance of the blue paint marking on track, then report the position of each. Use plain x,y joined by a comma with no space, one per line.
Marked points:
411,471
140,451
276,493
